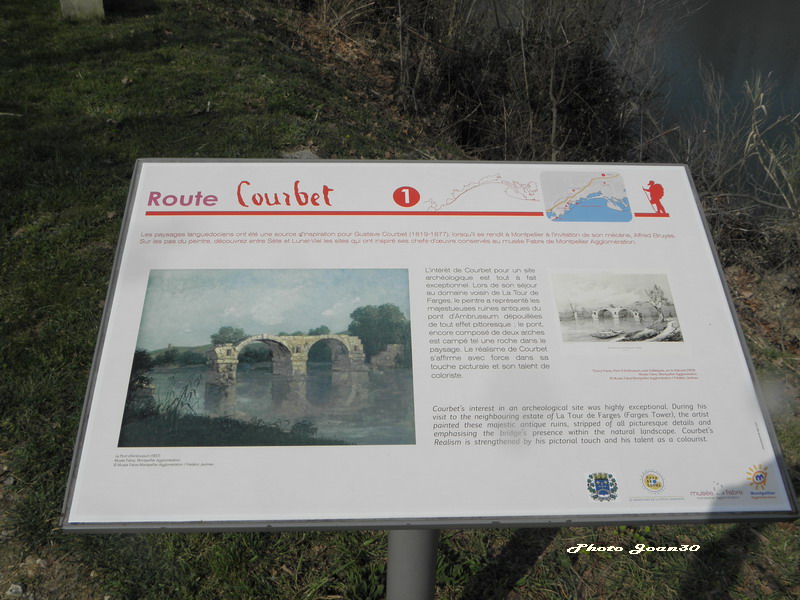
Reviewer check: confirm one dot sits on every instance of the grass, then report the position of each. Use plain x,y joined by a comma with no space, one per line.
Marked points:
225,78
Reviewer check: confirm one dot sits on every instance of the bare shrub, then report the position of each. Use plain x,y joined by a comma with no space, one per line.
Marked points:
772,157
579,80
345,15
745,162
505,79
514,80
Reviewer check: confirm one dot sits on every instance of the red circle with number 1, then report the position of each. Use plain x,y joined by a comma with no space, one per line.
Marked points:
406,196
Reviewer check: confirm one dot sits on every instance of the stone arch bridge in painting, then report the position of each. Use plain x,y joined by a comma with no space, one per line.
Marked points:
289,358
616,313
289,354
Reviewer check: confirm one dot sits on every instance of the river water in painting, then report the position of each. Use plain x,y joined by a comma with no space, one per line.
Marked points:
367,407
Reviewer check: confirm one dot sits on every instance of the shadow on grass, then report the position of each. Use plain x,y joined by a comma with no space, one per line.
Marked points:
723,564
499,576
130,8
721,567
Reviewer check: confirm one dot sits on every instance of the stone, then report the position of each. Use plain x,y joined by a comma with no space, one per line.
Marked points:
82,9
300,154
387,359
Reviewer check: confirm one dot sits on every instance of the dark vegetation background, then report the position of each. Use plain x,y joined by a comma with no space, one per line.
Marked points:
408,79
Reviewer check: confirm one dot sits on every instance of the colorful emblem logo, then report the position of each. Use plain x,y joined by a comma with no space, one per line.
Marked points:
757,476
652,481
602,486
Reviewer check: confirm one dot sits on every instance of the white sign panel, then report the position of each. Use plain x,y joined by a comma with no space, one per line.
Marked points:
333,344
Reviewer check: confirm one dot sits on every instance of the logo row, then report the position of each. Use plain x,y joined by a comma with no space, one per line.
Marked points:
603,486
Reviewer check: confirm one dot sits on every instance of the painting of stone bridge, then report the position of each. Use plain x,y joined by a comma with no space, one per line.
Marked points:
289,358
354,387
616,307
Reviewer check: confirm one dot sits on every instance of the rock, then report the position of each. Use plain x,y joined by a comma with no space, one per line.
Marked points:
15,591
301,154
31,565
386,359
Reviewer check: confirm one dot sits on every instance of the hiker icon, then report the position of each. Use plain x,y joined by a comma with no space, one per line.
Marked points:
655,192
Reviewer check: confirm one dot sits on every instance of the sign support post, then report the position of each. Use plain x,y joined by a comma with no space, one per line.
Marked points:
411,572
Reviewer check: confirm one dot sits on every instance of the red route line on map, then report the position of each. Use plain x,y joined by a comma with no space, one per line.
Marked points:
369,213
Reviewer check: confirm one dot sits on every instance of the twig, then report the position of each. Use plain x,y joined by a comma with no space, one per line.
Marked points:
750,197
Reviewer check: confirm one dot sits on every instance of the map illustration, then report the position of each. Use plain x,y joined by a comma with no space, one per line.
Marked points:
494,188
593,197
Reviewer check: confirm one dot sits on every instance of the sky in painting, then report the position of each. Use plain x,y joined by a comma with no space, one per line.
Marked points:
184,307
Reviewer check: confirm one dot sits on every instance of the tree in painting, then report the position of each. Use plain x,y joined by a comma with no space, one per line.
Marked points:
228,335
379,326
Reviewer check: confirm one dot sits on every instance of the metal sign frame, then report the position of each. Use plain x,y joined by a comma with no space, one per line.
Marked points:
88,456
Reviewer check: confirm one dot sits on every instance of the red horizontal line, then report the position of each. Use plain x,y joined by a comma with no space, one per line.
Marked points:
650,214
368,213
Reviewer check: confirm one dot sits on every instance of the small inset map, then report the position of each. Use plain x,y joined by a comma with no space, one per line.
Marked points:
593,197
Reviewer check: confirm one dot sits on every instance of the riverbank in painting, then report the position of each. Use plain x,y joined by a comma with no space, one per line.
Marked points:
322,407
625,329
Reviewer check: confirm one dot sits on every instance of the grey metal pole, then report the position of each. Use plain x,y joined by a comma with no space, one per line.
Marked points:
411,573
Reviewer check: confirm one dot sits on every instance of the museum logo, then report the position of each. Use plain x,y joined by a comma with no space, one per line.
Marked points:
717,492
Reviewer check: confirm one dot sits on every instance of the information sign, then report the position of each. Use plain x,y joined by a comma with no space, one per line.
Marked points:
393,344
